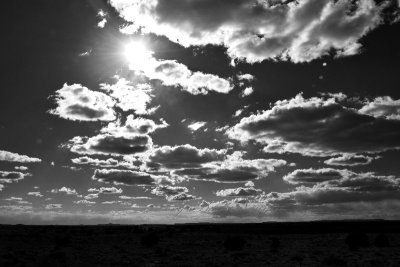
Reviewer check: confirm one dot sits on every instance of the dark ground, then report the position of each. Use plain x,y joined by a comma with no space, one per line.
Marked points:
339,243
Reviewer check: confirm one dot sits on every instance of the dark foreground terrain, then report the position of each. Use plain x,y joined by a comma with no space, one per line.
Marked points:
348,243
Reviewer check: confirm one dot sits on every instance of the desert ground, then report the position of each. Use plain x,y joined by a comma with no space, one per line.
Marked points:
349,243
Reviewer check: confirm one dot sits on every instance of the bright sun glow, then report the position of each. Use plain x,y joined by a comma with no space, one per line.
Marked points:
137,55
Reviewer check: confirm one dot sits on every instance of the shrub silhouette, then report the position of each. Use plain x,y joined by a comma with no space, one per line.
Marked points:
381,241
357,240
275,244
149,240
234,243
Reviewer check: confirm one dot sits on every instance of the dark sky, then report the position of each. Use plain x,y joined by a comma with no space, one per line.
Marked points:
167,111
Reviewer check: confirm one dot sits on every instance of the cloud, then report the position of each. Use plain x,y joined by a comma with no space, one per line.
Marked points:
173,193
239,192
10,177
126,177
106,190
234,169
173,73
332,186
385,107
66,190
168,190
133,198
96,162
350,160
85,202
196,125
245,77
184,156
107,144
254,30
318,126
53,206
21,168
224,209
14,157
133,126
247,91
103,15
78,103
312,176
181,197
35,194
130,96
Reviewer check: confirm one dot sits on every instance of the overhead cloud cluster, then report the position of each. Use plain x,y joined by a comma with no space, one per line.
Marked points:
320,126
130,178
254,30
15,157
78,103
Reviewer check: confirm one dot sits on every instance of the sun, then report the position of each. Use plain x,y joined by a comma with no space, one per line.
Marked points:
137,55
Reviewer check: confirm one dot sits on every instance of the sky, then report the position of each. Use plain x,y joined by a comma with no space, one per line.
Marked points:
171,111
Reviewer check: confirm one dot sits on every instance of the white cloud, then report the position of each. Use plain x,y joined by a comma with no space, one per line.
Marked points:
133,126
319,126
66,190
196,125
14,157
11,177
247,91
172,73
35,194
384,106
350,160
256,30
106,190
239,192
78,103
130,96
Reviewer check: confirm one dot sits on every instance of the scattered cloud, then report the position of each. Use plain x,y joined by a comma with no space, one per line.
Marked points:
66,190
130,96
78,103
239,192
10,177
350,160
106,190
196,125
35,194
133,126
14,157
107,144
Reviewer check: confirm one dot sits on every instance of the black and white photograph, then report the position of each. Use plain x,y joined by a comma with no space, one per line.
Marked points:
200,133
